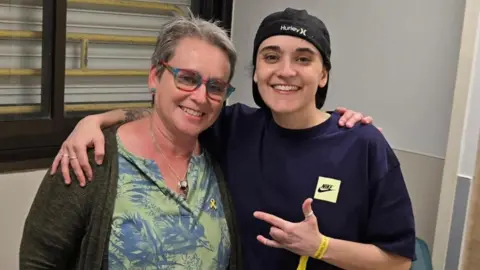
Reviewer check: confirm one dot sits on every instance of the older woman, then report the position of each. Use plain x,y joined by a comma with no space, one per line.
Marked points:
158,200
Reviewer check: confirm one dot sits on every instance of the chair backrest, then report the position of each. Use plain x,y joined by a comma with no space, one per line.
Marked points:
424,258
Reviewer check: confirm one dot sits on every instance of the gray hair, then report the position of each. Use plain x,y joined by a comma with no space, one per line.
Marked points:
180,27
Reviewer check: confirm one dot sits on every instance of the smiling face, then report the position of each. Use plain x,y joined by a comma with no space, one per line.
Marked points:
288,72
190,112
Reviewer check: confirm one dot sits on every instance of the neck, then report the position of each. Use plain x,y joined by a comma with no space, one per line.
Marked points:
170,141
302,119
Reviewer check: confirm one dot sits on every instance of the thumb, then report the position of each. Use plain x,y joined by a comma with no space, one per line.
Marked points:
307,209
99,144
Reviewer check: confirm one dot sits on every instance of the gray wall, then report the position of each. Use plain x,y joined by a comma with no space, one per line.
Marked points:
394,60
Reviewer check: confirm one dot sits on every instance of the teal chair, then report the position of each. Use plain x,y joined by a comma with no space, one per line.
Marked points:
424,259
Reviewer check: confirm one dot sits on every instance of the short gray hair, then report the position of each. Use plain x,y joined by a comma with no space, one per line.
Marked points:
181,27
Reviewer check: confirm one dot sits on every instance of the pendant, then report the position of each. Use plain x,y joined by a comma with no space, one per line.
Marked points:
183,185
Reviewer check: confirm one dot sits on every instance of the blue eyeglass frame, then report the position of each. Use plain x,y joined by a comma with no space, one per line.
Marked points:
175,71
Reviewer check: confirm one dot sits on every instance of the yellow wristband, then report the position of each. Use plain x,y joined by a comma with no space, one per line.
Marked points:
322,248
302,264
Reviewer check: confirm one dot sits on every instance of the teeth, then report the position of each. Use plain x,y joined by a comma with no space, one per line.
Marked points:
192,112
285,87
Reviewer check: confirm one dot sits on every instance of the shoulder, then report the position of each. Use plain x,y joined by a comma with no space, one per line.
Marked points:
240,116
369,134
102,173
231,119
239,110
381,157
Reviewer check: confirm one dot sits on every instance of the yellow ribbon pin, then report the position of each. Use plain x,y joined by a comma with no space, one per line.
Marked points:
213,204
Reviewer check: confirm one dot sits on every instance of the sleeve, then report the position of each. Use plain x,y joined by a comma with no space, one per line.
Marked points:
391,225
54,226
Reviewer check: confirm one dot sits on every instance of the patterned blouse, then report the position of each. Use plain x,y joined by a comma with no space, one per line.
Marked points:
155,228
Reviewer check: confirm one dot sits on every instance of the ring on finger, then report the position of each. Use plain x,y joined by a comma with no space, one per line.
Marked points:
73,158
309,215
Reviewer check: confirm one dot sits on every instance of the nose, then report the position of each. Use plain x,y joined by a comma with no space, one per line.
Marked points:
200,95
286,69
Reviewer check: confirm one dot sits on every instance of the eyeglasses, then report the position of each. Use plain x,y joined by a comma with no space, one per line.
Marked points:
190,80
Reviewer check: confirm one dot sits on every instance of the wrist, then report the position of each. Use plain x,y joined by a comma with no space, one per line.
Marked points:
315,245
96,119
328,251
322,248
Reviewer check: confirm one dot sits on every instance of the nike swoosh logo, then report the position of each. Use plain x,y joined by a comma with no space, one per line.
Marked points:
324,190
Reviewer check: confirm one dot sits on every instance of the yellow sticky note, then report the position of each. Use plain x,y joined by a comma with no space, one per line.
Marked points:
327,189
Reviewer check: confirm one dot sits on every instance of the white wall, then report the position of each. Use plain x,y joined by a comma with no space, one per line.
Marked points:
394,60
17,191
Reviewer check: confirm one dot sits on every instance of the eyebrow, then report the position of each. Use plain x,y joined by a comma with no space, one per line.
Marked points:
278,49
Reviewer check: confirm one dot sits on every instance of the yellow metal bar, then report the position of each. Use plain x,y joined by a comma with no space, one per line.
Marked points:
10,34
76,72
112,38
19,109
105,106
131,4
84,54
24,109
106,72
20,72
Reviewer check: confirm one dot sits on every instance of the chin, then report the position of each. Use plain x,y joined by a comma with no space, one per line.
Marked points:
283,107
190,130
188,126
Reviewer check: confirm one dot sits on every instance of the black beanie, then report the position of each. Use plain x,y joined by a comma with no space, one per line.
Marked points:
297,23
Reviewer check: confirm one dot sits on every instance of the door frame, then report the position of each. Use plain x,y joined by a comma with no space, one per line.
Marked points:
463,85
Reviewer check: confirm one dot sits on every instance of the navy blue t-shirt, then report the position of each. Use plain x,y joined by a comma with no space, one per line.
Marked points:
352,174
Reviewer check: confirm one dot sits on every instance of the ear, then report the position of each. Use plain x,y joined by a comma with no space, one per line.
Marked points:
323,78
152,78
255,78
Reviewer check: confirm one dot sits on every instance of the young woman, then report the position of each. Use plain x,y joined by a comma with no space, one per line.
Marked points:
303,186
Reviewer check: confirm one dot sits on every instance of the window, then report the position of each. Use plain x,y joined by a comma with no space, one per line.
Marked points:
65,59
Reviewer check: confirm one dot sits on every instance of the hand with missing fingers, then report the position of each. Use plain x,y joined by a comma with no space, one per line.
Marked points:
87,134
302,238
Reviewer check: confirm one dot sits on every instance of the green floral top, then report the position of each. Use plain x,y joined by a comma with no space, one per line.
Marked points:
155,228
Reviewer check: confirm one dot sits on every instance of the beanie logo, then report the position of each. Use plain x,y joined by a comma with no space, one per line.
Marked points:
300,30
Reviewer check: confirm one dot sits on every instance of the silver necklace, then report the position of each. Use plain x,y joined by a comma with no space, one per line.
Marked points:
182,184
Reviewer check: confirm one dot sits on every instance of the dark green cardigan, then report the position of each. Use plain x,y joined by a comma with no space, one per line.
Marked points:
68,227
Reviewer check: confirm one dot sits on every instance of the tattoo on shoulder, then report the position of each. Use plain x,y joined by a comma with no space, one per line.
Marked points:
135,114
